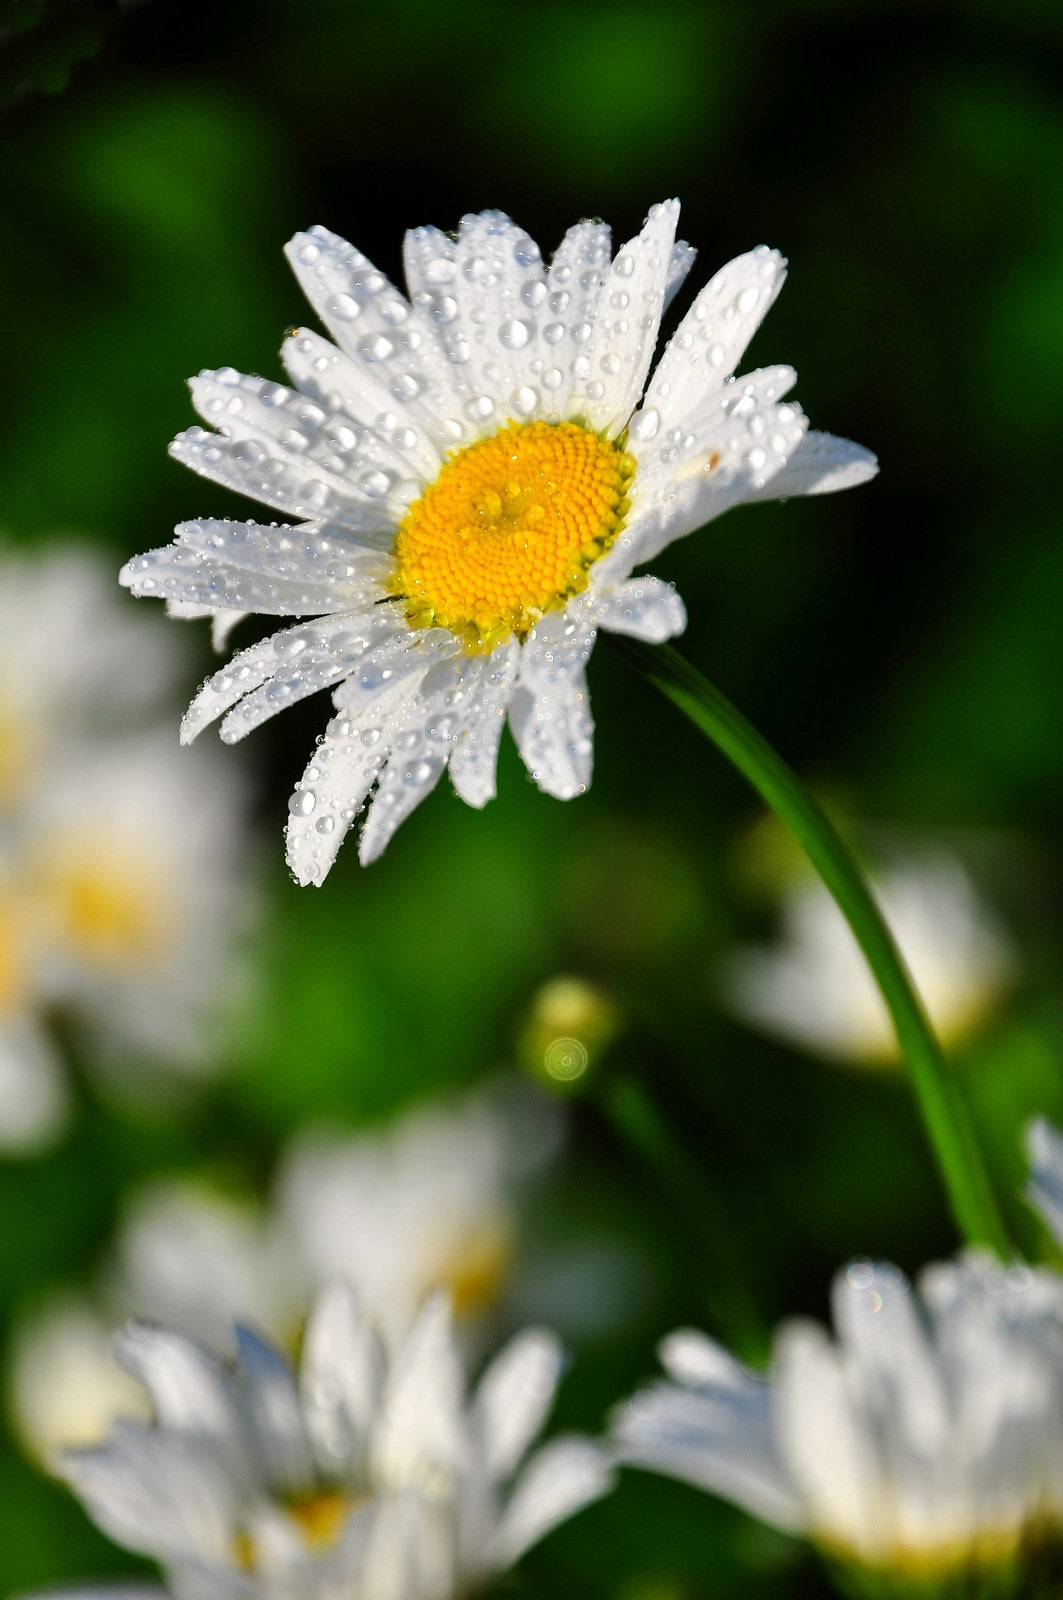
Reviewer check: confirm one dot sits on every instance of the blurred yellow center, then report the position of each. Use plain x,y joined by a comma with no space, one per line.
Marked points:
320,1518
13,975
475,1273
109,915
509,530
17,756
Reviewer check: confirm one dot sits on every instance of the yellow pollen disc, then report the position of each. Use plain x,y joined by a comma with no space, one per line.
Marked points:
112,912
509,530
475,1272
320,1518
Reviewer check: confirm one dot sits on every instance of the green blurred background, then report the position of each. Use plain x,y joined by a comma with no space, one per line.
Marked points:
901,644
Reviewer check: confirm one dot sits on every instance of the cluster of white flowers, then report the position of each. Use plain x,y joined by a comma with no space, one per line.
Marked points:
119,889
364,1476
429,1203
476,471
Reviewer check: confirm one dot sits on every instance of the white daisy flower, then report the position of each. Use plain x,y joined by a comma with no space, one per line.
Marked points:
476,473
924,1443
429,1202
361,1476
74,666
814,987
119,863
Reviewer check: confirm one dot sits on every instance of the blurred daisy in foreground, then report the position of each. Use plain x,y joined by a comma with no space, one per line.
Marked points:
921,1449
815,989
429,1203
366,1476
476,473
119,890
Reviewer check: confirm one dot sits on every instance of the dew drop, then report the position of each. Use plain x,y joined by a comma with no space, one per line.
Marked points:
514,334
374,484
344,307
376,348
302,802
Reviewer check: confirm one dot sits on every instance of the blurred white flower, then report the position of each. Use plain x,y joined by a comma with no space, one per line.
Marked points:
924,1444
365,1476
120,897
429,1202
476,472
814,988
70,1390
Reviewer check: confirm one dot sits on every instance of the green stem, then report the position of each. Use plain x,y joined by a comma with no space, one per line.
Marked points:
943,1111
637,1120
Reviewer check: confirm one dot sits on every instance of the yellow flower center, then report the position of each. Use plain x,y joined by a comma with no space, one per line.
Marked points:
320,1517
14,978
112,912
509,530
475,1272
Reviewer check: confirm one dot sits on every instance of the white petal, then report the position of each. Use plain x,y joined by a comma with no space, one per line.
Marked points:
645,608
270,1398
296,554
35,1101
486,299
338,779
879,1322
821,464
1044,1145
406,781
573,289
300,435
549,711
314,654
736,450
399,1546
258,569
717,1433
421,1432
341,1374
823,1441
683,257
563,1476
697,1361
626,323
394,442
514,1396
711,339
474,759
399,359
166,1495
250,467
188,1388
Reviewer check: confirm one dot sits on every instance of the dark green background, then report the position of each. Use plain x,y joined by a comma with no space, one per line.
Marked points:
900,644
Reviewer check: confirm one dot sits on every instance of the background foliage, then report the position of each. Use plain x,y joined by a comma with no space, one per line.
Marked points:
901,644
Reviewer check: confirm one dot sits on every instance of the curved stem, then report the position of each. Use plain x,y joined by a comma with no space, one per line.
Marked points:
943,1111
